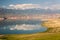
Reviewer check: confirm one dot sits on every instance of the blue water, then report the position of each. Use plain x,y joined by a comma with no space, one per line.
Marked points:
21,26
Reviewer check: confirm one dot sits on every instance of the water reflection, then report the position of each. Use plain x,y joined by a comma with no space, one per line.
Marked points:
21,26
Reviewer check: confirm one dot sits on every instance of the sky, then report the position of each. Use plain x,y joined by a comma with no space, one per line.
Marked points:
29,4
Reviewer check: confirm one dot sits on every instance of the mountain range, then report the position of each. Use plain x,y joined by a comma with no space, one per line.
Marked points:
4,11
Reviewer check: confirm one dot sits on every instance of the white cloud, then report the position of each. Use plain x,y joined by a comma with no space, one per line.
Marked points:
31,6
25,27
23,6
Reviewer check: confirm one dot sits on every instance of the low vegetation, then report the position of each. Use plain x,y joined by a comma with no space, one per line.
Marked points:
37,36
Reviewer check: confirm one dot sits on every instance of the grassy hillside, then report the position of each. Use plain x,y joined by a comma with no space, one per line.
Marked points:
37,36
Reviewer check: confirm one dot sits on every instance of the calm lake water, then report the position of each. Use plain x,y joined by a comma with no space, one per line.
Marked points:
21,26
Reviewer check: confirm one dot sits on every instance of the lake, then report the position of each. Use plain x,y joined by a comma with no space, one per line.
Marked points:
21,26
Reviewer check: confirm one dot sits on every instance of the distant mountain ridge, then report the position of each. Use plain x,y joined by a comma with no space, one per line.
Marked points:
27,11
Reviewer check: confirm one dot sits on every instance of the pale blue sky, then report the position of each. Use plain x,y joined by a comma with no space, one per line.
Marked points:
42,2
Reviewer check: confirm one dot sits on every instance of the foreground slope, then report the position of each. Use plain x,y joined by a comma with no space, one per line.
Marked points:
37,36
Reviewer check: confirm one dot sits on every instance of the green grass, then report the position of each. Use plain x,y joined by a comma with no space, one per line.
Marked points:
37,36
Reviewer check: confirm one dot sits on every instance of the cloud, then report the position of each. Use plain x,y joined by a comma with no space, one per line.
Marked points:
52,7
32,6
25,27
56,6
23,6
